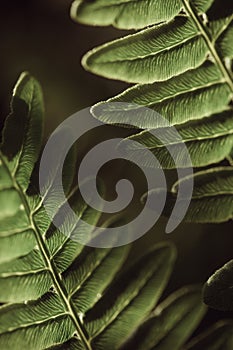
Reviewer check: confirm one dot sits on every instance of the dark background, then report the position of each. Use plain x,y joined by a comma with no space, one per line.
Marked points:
39,36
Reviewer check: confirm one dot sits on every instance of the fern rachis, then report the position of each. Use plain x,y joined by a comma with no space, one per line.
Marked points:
61,295
182,63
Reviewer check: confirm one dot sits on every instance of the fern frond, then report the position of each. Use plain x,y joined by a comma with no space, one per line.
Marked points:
161,52
155,54
183,65
35,254
183,68
191,96
58,293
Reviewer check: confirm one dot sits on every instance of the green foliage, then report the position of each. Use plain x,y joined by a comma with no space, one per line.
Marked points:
218,291
155,54
207,142
212,196
59,294
123,14
182,65
171,324
127,14
218,337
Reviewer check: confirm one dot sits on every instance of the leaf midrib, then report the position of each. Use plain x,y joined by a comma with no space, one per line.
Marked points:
36,323
152,54
200,26
58,284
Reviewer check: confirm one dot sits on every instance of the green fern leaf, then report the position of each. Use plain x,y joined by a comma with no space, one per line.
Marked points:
59,294
208,141
124,14
180,313
230,157
218,291
22,135
193,57
18,157
191,96
35,253
224,43
143,284
212,196
129,14
212,199
183,64
157,53
216,338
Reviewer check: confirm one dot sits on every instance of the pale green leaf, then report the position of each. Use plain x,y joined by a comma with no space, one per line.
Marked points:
16,244
155,54
130,14
35,325
212,196
191,96
124,14
207,141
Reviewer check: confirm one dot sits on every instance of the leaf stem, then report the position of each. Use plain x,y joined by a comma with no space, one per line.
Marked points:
201,27
57,281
